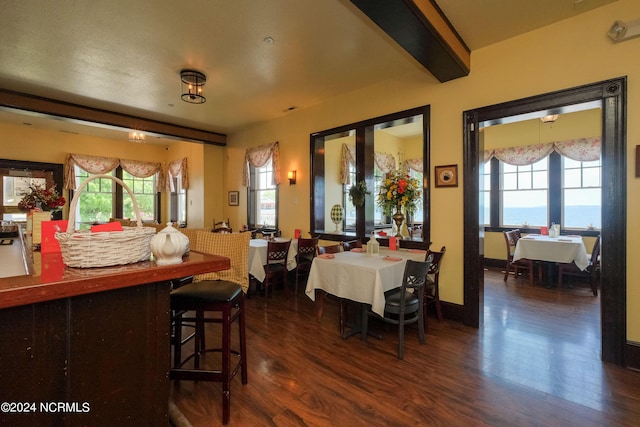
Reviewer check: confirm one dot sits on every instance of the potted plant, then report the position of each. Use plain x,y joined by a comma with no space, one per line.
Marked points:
357,192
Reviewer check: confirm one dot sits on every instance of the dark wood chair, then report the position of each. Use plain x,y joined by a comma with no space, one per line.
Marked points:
591,273
511,239
402,306
432,285
227,299
221,224
332,249
222,230
350,244
276,264
304,257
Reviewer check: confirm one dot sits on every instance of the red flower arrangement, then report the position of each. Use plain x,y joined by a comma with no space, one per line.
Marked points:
43,199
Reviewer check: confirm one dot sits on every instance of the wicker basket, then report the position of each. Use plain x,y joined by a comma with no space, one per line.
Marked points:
106,248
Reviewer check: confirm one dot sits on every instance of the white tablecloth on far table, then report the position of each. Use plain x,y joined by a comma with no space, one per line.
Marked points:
258,256
564,249
360,277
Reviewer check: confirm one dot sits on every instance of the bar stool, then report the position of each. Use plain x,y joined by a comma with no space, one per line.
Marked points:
210,296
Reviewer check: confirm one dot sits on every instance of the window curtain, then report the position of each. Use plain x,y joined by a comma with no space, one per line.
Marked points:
258,157
415,164
581,149
177,168
385,162
348,158
102,165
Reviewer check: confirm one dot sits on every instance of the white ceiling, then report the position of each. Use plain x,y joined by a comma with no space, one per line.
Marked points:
126,55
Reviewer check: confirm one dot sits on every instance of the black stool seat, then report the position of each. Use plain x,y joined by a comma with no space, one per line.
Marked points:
205,292
210,296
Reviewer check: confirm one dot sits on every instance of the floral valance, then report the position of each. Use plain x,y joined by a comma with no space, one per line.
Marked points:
581,149
385,162
416,164
177,168
102,165
258,157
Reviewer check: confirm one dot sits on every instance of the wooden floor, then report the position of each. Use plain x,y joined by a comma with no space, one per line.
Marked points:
535,362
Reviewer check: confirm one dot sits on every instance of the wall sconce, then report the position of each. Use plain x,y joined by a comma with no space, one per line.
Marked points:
549,119
292,177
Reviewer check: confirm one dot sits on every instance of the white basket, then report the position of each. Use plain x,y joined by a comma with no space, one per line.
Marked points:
106,248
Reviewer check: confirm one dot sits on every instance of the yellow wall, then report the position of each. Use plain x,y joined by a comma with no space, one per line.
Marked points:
519,67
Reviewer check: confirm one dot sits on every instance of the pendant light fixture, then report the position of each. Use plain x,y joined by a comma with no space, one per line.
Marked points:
192,83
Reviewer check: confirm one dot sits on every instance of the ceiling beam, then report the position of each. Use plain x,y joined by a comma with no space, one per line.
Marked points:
104,118
422,29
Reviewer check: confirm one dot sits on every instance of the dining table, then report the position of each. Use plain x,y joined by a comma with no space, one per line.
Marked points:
359,277
552,250
258,256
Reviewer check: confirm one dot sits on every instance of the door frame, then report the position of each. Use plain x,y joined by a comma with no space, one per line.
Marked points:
613,293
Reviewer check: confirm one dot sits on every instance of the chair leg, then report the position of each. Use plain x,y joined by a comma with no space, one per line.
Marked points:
421,315
401,337
438,309
226,364
506,270
243,341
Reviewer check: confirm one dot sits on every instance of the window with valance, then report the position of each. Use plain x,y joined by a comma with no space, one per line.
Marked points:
538,184
261,174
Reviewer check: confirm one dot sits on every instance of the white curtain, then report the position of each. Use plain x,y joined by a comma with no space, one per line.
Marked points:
348,158
385,162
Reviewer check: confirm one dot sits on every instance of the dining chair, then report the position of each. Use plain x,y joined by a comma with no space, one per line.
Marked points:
331,249
591,273
404,306
511,239
351,244
304,257
221,224
276,264
432,285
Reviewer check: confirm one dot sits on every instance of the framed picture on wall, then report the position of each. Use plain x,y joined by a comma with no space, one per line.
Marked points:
234,198
446,176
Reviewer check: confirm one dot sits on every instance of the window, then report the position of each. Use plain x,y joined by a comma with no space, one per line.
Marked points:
554,189
103,199
263,197
144,190
524,194
349,208
178,202
96,202
582,189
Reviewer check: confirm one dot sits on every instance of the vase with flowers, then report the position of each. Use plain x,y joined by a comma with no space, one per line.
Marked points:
46,200
41,203
399,192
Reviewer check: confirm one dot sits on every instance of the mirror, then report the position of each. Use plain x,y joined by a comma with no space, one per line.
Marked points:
365,151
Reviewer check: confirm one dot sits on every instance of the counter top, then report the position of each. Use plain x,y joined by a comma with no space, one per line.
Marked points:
51,280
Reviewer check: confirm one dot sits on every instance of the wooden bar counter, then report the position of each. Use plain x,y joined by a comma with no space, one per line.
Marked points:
89,347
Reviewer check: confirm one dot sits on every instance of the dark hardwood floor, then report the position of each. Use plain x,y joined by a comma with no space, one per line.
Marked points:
535,362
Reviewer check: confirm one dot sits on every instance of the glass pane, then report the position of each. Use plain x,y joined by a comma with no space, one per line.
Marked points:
582,208
524,207
506,168
524,180
540,179
509,182
569,163
591,177
572,178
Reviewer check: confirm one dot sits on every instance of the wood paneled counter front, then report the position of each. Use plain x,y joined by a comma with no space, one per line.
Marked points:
89,346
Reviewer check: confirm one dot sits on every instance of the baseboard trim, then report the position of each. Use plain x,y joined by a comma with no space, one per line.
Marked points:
632,355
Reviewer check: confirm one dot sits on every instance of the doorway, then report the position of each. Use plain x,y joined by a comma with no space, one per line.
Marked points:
612,94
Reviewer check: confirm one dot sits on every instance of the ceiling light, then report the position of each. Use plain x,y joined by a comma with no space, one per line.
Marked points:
192,83
136,137
549,119
621,31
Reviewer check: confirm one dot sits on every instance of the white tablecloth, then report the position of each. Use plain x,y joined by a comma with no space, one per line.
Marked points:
258,256
360,277
564,249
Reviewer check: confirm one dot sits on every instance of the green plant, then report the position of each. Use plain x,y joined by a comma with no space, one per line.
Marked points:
357,192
